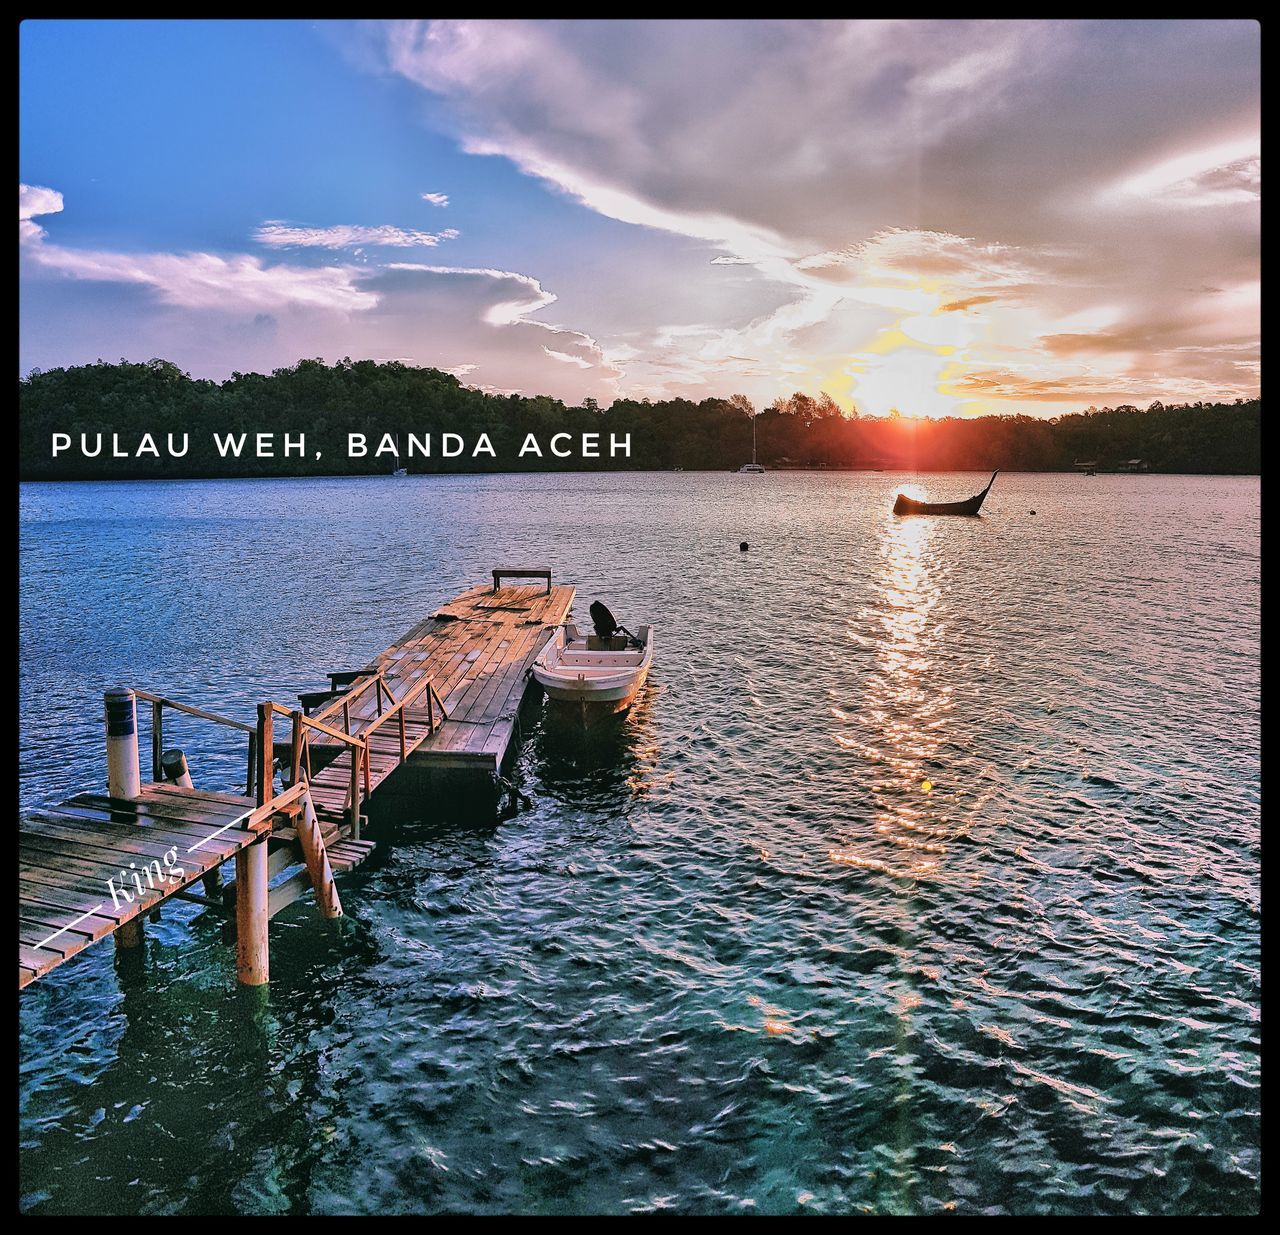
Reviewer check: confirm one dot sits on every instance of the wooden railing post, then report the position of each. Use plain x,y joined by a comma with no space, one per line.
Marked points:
157,740
253,764
355,793
266,754
403,755
295,760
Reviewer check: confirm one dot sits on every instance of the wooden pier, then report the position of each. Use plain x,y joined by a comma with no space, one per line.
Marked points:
444,697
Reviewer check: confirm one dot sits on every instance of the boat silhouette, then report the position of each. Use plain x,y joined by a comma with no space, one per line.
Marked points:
970,506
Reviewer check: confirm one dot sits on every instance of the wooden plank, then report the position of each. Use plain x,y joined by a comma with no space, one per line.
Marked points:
36,959
287,891
88,849
73,883
62,901
164,791
148,818
107,832
58,925
84,870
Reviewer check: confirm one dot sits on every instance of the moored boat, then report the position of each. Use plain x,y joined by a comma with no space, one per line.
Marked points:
606,667
970,506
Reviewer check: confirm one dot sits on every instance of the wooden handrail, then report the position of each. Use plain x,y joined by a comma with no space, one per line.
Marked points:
409,696
310,722
158,705
350,696
200,712
268,808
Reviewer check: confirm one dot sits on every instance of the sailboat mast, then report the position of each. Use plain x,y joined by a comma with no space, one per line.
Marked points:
753,437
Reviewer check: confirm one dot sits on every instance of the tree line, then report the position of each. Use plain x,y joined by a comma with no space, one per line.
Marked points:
328,402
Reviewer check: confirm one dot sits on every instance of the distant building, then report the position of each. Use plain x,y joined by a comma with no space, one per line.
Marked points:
1085,465
1133,465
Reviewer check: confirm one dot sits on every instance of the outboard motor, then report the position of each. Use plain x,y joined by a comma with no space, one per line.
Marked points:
606,626
603,620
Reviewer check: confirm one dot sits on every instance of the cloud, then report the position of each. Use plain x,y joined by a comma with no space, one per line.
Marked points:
873,174
959,306
34,201
190,280
277,235
436,199
218,313
565,358
1223,174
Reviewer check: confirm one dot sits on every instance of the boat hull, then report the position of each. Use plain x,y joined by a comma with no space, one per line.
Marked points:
909,506
612,698
970,506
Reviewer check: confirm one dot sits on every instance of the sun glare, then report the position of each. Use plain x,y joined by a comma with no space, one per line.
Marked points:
910,365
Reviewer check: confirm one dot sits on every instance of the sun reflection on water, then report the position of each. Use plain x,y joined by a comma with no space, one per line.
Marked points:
901,724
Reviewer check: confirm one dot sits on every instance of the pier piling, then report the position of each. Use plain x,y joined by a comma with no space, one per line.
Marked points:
124,777
253,966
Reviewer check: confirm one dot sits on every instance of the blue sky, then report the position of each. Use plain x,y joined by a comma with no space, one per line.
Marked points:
955,218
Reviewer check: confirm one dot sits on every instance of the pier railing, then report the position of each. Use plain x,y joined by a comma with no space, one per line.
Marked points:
158,705
357,744
401,706
260,769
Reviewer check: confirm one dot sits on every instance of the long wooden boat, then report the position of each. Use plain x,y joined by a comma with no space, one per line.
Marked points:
970,506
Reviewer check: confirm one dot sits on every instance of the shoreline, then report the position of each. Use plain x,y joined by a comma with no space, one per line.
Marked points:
612,471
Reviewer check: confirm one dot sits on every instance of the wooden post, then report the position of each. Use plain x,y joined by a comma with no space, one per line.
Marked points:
355,792
124,778
266,755
253,964
129,936
253,765
317,857
157,740
403,755
295,763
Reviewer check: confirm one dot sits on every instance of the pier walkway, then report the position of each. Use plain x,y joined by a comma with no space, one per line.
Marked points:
445,695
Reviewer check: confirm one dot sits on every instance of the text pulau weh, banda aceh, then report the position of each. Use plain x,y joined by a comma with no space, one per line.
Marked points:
359,446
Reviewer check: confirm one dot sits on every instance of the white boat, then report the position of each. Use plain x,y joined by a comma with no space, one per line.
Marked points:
753,468
607,667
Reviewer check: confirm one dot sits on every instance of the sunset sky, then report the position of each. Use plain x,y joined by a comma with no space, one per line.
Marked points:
943,217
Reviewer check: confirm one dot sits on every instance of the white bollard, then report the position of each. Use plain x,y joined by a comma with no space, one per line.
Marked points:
173,763
124,778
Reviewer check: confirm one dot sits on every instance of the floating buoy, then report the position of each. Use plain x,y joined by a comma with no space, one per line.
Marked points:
1033,512
742,548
